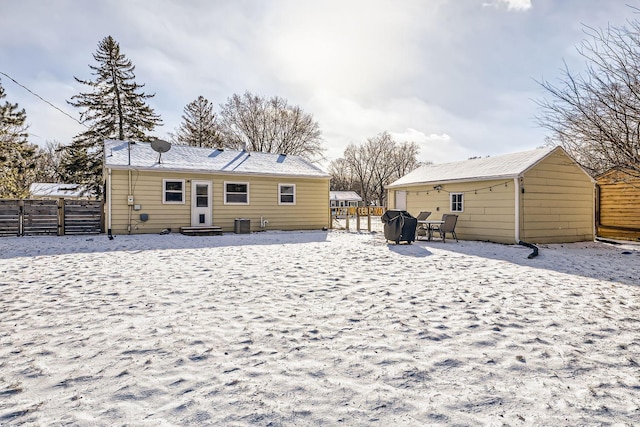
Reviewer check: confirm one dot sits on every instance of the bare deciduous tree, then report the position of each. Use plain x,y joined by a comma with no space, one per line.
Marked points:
48,159
596,116
269,125
341,177
375,164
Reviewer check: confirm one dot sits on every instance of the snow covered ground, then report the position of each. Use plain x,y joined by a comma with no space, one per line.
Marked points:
316,328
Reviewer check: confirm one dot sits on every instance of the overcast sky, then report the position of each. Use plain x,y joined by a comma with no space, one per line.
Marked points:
456,76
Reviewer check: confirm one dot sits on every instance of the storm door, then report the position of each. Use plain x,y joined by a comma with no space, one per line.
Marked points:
200,203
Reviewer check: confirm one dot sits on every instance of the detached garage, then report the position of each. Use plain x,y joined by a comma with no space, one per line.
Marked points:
537,196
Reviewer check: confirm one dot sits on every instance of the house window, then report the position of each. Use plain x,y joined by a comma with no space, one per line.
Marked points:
173,191
457,202
286,194
236,193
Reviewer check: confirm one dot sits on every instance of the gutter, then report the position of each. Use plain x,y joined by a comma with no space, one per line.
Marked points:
217,172
452,181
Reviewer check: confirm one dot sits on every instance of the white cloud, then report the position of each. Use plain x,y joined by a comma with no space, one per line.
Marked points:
345,121
455,77
510,4
413,135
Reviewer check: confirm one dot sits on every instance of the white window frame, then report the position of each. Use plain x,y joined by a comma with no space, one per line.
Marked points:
280,194
164,192
460,202
226,194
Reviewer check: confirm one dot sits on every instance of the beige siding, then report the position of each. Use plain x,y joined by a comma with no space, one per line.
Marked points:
619,206
391,199
309,212
555,196
489,208
557,204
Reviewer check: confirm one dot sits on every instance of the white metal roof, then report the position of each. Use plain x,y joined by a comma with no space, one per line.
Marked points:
498,167
196,159
344,195
49,189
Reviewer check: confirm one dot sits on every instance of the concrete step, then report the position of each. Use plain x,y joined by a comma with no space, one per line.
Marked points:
210,230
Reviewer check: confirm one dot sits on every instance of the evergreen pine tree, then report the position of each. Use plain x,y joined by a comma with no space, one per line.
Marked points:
115,109
199,127
79,166
17,156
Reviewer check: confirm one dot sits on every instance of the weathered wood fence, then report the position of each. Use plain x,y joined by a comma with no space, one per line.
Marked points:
50,217
343,216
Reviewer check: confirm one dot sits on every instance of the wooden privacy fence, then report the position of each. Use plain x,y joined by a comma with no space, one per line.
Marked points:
618,205
50,217
355,212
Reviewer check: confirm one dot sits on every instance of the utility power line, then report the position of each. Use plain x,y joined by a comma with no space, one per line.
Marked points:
43,100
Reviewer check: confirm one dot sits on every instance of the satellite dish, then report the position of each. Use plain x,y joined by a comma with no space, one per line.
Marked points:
160,146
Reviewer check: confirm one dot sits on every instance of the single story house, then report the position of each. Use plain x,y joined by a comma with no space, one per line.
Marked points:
538,196
51,191
152,187
618,205
340,199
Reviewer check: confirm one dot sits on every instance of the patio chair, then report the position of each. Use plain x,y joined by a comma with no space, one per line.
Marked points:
448,226
421,230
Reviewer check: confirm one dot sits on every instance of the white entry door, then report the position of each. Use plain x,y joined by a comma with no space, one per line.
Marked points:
200,203
401,200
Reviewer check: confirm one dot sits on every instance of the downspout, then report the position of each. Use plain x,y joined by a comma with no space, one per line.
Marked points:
518,190
516,185
109,204
129,206
596,190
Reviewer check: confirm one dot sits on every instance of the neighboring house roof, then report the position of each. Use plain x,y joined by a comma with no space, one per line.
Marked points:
196,159
499,167
47,189
344,195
